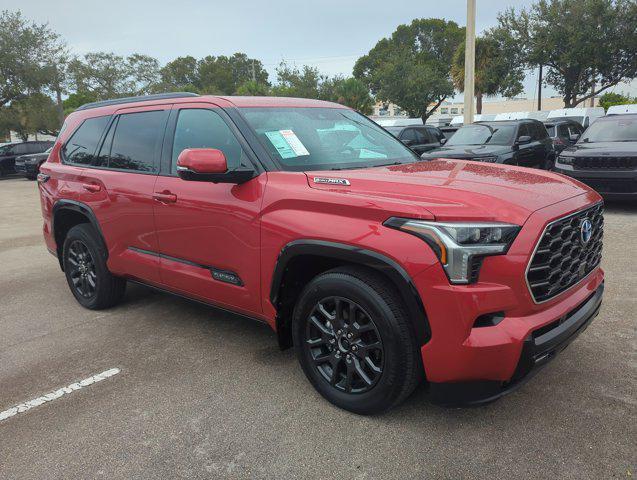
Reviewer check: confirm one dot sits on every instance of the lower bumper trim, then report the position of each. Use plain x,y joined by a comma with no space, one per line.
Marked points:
539,349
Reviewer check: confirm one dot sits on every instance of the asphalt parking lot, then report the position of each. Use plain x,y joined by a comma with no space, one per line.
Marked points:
204,394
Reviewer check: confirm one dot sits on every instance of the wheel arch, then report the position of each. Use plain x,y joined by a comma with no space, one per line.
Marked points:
65,215
301,260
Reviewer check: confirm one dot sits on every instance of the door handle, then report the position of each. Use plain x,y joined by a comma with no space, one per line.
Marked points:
165,197
91,187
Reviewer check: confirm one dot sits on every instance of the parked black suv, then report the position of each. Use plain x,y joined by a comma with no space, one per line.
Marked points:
514,142
8,153
563,132
420,138
605,157
29,165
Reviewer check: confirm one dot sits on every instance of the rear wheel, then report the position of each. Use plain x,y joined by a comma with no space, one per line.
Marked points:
86,272
353,340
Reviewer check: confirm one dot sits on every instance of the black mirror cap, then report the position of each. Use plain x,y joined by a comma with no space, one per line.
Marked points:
237,176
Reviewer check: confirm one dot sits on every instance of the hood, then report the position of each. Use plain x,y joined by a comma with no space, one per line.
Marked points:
467,151
455,190
602,149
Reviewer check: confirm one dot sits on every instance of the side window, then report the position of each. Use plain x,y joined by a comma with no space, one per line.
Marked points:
202,128
523,130
80,148
562,131
101,159
137,141
541,131
409,135
422,135
20,149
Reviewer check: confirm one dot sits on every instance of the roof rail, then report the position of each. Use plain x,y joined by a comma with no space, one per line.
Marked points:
142,98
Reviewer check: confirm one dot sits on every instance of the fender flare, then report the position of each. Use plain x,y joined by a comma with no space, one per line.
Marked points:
73,205
359,256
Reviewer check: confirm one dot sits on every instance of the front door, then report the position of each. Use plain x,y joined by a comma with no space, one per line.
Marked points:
209,232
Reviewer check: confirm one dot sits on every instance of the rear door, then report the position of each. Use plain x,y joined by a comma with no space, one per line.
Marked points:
209,233
118,186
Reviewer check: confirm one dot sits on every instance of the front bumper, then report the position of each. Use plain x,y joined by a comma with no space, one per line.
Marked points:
26,168
609,183
538,349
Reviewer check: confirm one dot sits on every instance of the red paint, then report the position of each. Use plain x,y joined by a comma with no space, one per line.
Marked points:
203,160
242,228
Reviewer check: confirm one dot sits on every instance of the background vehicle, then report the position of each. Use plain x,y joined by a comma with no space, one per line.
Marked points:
308,216
29,165
564,133
583,116
622,109
448,131
516,142
9,152
605,157
420,139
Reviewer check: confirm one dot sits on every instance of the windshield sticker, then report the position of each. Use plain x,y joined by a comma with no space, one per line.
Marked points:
364,153
287,144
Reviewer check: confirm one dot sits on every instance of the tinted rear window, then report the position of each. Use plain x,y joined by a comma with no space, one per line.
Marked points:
80,148
137,141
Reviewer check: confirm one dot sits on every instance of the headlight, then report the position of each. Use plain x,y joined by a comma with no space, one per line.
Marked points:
565,160
460,246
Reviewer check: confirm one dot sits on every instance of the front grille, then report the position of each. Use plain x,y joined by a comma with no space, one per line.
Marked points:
611,185
605,163
561,258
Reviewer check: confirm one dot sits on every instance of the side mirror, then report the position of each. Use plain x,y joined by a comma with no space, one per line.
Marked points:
524,139
574,137
209,165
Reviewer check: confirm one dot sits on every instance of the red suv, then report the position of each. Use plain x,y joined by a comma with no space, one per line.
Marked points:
380,269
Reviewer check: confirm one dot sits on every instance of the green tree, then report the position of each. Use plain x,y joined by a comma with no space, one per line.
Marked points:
179,75
412,68
25,54
253,89
296,82
609,99
76,100
587,46
106,75
498,69
212,75
347,91
32,114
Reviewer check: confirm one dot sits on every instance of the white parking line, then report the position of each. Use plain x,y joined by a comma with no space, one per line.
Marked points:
26,406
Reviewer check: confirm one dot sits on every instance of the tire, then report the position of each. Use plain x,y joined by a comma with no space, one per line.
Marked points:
333,361
89,279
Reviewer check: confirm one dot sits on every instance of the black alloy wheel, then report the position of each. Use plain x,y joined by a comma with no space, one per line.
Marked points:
344,344
82,269
84,259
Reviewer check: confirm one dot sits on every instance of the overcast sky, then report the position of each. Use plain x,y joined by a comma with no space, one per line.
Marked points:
328,34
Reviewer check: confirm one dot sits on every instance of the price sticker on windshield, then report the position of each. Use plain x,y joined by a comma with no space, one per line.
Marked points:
287,144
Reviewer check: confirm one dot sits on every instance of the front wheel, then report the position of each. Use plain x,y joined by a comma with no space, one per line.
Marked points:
354,342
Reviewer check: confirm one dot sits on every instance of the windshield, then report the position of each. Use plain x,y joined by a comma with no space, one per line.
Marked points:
5,149
611,130
481,134
324,139
579,120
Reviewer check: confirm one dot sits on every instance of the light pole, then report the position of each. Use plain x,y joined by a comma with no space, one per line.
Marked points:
470,62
